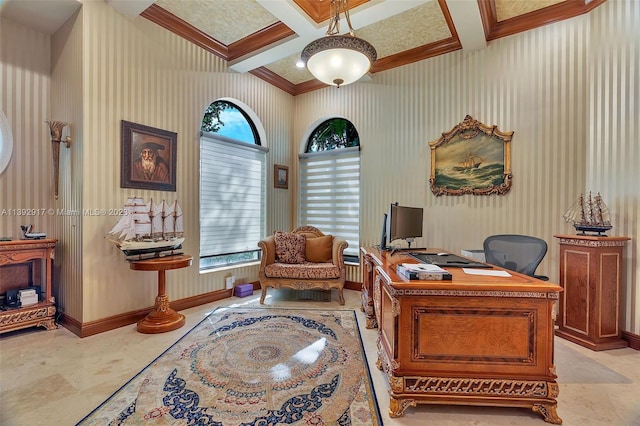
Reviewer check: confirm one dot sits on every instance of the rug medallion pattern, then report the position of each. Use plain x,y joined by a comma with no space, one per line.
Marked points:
248,366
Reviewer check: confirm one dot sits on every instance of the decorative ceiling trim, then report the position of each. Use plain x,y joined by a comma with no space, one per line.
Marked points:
417,54
171,22
264,37
274,79
319,10
309,86
426,51
284,84
554,13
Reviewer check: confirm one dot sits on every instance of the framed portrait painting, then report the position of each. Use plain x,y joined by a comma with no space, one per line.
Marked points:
471,158
280,176
148,157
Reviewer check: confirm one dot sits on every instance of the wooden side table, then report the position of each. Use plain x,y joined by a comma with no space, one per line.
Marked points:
162,318
25,264
591,275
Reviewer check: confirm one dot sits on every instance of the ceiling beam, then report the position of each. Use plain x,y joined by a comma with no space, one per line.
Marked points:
130,8
307,30
468,23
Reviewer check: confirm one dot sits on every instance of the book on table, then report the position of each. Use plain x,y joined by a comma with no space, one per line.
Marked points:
422,271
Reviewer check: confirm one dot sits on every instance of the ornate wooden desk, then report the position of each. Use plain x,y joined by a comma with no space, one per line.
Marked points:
162,318
474,340
21,256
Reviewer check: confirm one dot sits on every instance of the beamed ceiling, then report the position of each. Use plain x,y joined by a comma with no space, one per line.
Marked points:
265,37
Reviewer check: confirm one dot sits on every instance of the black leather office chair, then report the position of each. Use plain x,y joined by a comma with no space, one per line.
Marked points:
520,253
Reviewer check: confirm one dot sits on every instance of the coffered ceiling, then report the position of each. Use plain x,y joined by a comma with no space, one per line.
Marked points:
265,37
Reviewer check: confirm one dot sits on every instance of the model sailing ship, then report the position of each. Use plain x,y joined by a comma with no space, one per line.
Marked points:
148,229
589,214
471,161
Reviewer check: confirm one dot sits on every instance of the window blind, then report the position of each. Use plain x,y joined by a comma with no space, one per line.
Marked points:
232,195
330,194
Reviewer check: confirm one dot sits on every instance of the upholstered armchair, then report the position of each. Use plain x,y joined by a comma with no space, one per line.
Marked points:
302,259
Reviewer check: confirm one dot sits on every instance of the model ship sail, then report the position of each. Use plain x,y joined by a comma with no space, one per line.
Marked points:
155,214
148,229
178,223
589,213
167,218
125,229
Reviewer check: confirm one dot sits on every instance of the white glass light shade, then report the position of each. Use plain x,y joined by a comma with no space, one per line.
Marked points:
338,59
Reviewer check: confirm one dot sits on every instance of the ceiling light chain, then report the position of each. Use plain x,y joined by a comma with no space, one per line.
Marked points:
334,22
339,59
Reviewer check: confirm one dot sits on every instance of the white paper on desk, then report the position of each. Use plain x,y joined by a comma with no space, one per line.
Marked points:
486,272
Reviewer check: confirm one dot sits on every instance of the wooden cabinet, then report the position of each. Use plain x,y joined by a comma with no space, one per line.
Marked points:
591,276
477,340
23,264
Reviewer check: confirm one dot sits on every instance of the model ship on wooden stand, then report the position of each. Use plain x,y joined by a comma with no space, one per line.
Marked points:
589,214
148,230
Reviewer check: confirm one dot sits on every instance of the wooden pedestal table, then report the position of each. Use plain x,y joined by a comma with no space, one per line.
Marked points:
162,318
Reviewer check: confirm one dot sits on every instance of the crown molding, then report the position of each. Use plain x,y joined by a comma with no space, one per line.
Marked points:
495,29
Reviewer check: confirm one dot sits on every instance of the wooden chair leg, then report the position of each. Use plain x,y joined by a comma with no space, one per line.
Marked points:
263,295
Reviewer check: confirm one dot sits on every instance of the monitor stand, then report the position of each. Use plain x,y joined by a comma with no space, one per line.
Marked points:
409,241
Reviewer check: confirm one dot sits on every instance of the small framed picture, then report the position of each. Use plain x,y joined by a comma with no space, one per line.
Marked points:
148,157
280,176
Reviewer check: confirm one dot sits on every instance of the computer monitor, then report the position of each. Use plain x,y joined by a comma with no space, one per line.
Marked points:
383,237
404,223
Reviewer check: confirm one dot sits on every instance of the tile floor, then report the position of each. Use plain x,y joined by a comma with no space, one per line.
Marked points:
55,378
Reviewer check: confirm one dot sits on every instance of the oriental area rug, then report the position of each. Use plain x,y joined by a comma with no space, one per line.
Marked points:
253,366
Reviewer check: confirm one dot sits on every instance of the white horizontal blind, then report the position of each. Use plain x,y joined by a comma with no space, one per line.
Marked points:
232,195
330,194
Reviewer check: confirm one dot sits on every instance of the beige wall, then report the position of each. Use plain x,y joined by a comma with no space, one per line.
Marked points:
24,98
136,71
568,91
67,105
112,68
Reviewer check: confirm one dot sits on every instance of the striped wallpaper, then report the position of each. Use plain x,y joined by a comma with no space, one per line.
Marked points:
568,90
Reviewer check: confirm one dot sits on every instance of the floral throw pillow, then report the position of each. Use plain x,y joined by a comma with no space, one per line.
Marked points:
290,247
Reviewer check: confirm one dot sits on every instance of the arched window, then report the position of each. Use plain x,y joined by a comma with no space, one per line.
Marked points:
330,182
232,186
226,119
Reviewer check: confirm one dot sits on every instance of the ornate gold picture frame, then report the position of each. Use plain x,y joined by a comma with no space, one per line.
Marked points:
472,158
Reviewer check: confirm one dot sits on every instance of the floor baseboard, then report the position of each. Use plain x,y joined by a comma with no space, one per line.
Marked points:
110,323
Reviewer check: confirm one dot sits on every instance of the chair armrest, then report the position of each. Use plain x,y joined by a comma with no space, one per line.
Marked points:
268,247
541,277
337,253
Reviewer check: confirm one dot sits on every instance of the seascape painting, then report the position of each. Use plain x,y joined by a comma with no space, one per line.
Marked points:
471,159
459,165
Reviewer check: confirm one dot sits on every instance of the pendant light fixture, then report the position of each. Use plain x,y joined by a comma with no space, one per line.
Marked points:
337,59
